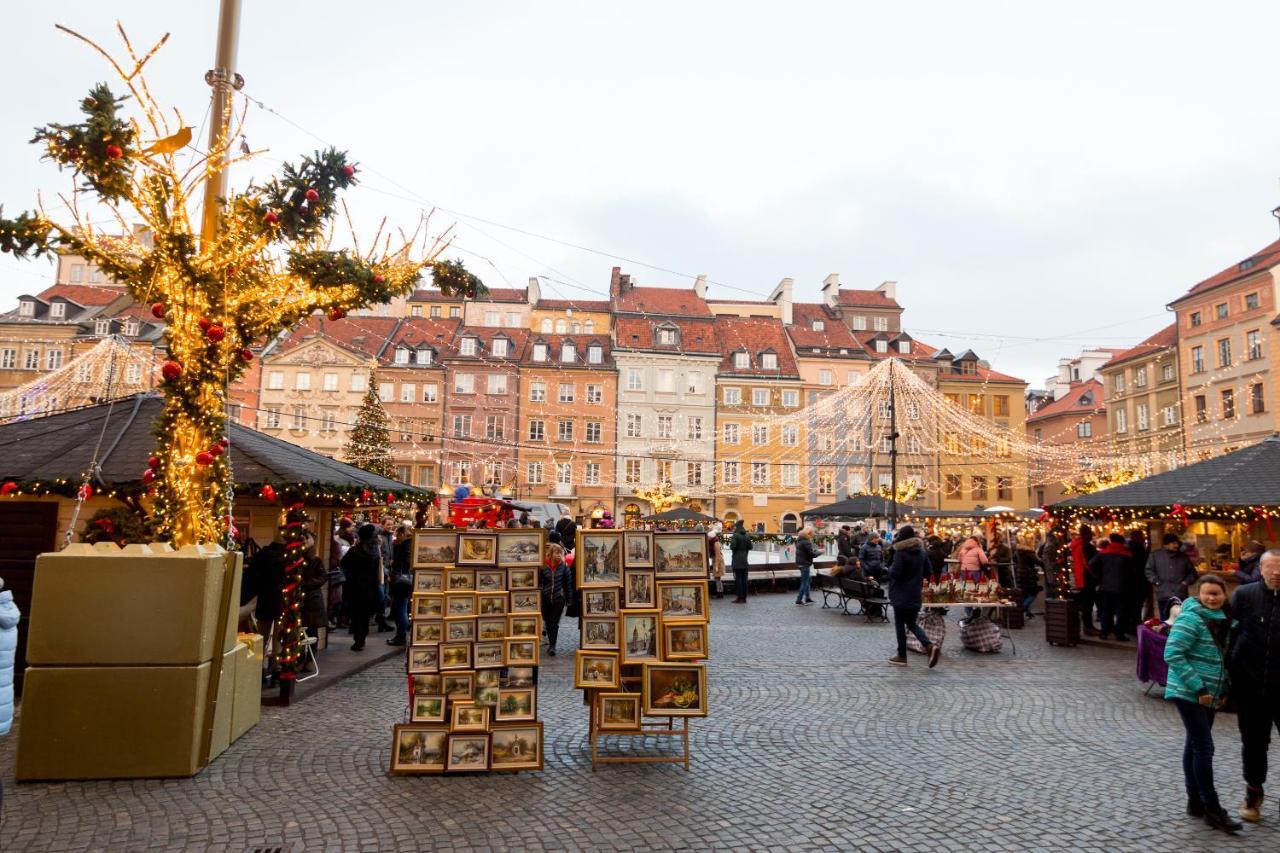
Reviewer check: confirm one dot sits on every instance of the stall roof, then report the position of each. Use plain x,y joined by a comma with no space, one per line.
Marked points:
1248,477
61,446
859,506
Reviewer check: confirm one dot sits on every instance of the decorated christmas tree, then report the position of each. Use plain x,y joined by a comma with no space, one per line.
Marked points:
369,445
263,261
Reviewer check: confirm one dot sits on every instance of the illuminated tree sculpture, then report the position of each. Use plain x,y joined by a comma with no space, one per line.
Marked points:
661,496
269,266
369,444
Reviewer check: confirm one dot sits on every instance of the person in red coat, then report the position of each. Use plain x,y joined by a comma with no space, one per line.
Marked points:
1082,551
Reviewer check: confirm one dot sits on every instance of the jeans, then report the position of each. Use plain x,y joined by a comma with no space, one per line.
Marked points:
1197,754
1028,601
803,595
1255,714
740,583
400,612
904,619
551,613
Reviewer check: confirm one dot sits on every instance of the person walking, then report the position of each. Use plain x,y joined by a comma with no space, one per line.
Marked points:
401,583
1198,684
1111,567
555,581
1082,551
739,545
1137,591
806,553
1255,672
1170,572
907,567
1026,572
872,557
715,560
362,566
9,618
266,568
387,551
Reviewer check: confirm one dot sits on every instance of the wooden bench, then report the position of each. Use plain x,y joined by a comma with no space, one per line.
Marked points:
868,594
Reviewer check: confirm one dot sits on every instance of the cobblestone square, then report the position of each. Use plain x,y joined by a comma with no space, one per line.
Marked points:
814,743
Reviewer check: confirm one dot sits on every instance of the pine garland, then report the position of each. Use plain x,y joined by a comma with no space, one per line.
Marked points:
452,278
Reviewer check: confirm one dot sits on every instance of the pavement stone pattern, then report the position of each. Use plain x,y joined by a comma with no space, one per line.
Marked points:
814,743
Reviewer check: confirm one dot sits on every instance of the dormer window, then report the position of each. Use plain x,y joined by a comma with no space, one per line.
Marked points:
102,327
769,361
501,347
540,352
426,356
667,336
568,353
468,346
27,308
904,346
57,310
882,346
131,327
402,355
595,354
818,325
1086,399
741,361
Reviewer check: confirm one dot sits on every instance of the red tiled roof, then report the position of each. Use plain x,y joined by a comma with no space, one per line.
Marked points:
1263,259
431,295
696,335
414,332
362,335
834,335
504,294
138,312
740,302
982,374
1163,339
669,301
553,343
486,334
1069,403
865,299
82,294
576,305
756,335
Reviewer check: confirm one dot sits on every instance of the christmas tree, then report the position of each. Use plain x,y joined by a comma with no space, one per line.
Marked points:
267,265
369,446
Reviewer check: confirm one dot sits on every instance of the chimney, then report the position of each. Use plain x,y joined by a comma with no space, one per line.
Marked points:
831,289
700,286
535,290
615,283
781,297
889,289
624,284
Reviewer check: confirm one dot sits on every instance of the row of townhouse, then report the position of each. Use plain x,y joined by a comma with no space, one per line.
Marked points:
585,402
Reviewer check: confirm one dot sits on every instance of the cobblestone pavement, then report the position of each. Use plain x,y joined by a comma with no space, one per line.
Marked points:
814,742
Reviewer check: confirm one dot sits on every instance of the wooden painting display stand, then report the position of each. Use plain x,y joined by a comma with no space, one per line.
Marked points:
647,729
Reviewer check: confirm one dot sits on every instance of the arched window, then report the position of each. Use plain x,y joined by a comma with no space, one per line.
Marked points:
574,328
790,522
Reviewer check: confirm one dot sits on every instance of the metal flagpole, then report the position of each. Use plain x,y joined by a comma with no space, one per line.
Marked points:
223,78
893,445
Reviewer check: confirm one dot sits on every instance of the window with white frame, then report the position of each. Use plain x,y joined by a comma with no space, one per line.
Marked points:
561,327
495,427
595,354
435,311
464,383
430,392
1166,372
26,308
513,320
330,382
497,383
102,327
886,444
1122,420
1084,429
533,473
537,391
635,379
759,396
826,482
882,345
357,381
741,361
733,396
564,430
826,377
859,323
1170,415
468,346
415,310
1253,344
461,472
133,375
666,336
732,473
732,434
57,310
694,427
1117,381
693,473
594,431
273,417
501,347
904,346
693,381
408,392
32,360
595,394
591,474
665,381
329,420
631,472
913,444
568,353
1144,417
54,359
302,380
790,474
913,410
537,430
884,410
791,398
545,326
540,352
462,426
84,373
768,361
299,417
566,392
1140,377
8,358
402,355
425,356
491,318
635,426
881,324
759,434
790,435
817,325
386,391
664,426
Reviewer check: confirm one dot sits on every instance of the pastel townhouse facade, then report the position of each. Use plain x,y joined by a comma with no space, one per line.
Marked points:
1077,419
994,471
501,308
413,366
568,422
1227,356
667,355
481,408
1144,404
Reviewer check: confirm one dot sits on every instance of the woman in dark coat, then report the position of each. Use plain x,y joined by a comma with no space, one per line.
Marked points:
1026,573
266,568
361,565
400,583
739,545
908,565
314,579
555,581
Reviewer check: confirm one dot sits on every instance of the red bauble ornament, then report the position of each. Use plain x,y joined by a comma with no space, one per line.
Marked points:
312,196
153,461
151,492
349,171
85,492
390,499
204,323
8,488
157,310
224,443
271,217
115,152
379,278
170,370
215,333
366,495
337,314
204,458
246,355
216,450
148,475
268,492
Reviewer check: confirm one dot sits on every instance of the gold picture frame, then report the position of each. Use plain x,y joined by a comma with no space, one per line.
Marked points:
600,602
423,659
637,550
458,686
638,590
468,717
489,628
426,632
598,558
426,605
434,548
516,704
491,603
524,625
477,549
524,601
428,709
522,578
516,746
674,689
618,712
454,656
460,629
685,641
521,651
459,580
523,547
599,632
640,635
418,748
491,580
488,654
467,753
682,600
459,604
596,670
428,580
680,555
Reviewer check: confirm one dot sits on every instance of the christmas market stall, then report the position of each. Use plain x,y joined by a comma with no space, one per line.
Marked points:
857,508
678,517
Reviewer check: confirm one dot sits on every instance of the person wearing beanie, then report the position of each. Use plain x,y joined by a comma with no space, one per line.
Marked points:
362,565
908,565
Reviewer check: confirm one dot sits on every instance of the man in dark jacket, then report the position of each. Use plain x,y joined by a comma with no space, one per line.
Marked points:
739,545
806,553
362,564
908,565
1110,566
1250,570
872,557
1255,675
1170,572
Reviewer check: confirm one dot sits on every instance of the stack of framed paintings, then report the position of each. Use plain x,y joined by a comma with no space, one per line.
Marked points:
473,654
645,634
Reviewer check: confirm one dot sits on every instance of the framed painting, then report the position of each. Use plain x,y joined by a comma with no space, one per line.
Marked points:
520,651
488,654
428,580
424,632
674,690
428,709
637,550
598,559
524,625
491,603
521,547
434,548
491,628
459,580
417,748
427,605
427,684
680,555
467,753
424,659
458,686
489,677
685,641
477,549
519,676
525,601
640,640
596,669
516,746
682,601
522,579
455,656
600,602
599,632
491,580
516,704
638,589
618,712
459,629
468,717
459,604
487,696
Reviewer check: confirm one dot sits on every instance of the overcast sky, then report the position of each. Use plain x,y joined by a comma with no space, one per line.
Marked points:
1035,179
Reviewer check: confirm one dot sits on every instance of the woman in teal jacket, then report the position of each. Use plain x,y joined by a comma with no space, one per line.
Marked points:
1197,684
